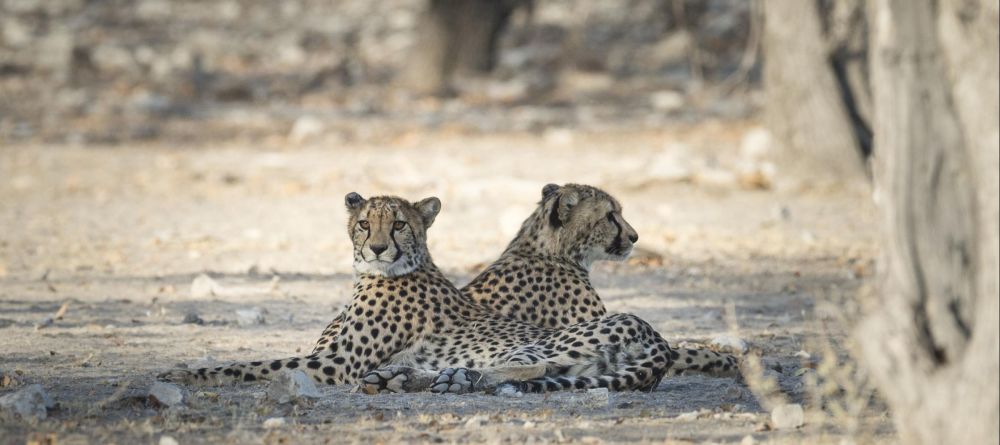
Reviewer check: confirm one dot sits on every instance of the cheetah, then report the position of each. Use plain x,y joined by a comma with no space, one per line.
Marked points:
543,276
408,328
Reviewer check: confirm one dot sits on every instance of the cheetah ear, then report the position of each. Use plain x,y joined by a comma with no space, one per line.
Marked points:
353,201
428,209
549,189
562,207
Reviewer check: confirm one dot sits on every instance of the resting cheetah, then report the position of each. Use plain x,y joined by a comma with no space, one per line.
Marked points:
408,328
543,276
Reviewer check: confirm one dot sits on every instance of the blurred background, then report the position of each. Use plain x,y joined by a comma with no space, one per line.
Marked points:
147,108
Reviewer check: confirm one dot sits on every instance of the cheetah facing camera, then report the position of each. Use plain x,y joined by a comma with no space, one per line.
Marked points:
409,329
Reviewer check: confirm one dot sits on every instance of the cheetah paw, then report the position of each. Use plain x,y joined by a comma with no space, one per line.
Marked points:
395,379
456,381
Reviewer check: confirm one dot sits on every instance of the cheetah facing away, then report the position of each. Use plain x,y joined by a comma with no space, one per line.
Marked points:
408,328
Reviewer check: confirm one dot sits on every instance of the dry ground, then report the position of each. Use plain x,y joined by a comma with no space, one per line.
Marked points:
121,233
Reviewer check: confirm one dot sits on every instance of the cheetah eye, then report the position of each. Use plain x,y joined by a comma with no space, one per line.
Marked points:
364,225
398,225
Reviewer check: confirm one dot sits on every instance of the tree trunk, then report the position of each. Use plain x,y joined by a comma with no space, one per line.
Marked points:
456,37
815,105
932,333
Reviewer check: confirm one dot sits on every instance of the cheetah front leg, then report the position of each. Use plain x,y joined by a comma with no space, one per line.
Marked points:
396,379
465,380
399,379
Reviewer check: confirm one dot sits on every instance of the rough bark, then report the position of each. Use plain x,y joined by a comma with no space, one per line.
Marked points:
456,37
933,331
814,107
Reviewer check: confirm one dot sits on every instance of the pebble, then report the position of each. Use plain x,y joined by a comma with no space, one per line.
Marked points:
595,398
274,422
249,317
291,386
477,421
167,440
729,343
788,416
166,394
667,100
8,379
203,286
508,391
192,318
689,416
756,144
305,128
30,403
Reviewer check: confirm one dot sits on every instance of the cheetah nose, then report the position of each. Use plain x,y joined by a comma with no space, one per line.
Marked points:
633,237
377,249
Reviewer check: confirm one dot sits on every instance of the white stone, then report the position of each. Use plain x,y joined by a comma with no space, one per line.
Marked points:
477,421
756,144
729,343
274,422
249,317
290,386
203,286
667,100
166,394
304,128
596,398
167,440
31,402
788,416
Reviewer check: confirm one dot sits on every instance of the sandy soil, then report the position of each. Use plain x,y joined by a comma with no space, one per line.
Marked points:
121,233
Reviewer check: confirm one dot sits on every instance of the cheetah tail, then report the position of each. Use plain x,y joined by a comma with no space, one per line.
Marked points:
643,380
705,361
312,365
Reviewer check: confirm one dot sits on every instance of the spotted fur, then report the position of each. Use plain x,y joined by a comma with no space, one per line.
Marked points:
408,328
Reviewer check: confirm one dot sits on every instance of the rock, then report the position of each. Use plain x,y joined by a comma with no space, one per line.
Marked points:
477,421
788,416
594,398
167,440
291,386
249,317
29,403
748,440
192,318
274,422
305,128
667,100
729,343
203,286
689,416
508,391
46,322
8,379
166,394
756,144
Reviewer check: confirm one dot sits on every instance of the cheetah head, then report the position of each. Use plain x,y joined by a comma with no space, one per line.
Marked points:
581,222
389,233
